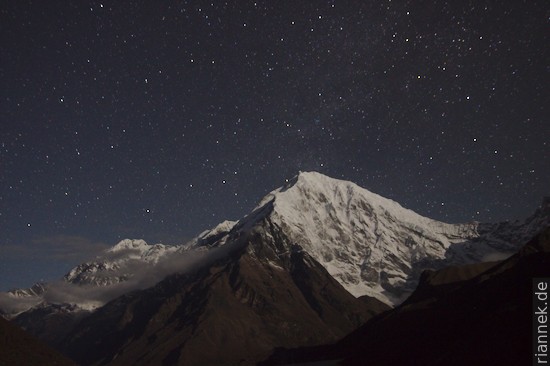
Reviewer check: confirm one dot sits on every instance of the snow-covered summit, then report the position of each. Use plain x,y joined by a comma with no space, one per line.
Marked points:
36,290
117,264
309,189
130,244
139,249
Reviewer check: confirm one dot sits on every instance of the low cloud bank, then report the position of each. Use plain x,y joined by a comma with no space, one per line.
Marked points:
140,275
10,305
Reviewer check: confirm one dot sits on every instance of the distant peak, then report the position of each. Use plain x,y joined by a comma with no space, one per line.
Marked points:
129,244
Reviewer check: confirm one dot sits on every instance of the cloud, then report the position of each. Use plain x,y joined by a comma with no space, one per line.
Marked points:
68,248
140,276
12,251
12,305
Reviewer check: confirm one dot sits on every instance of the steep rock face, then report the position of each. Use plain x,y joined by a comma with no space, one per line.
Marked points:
485,320
235,310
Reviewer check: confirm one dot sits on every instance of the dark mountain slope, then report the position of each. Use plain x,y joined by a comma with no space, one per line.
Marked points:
485,320
50,322
19,348
234,311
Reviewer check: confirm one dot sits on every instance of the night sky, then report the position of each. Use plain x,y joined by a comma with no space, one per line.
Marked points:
157,120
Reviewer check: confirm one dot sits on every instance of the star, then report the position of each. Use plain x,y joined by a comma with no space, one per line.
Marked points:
414,102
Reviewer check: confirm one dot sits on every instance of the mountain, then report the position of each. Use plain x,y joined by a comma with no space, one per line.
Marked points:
50,322
313,260
19,348
116,263
36,290
235,309
467,315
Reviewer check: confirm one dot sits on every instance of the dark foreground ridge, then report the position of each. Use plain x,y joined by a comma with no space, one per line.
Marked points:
456,317
19,348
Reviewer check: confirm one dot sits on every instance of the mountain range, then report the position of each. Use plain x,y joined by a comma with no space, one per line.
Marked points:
313,262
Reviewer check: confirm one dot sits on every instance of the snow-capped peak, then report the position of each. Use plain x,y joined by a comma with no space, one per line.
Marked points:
371,244
118,263
130,244
313,188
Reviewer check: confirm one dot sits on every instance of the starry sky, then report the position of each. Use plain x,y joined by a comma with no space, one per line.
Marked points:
157,120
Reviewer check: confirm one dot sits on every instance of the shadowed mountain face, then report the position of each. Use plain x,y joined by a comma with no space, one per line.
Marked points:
19,348
456,317
234,311
50,323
